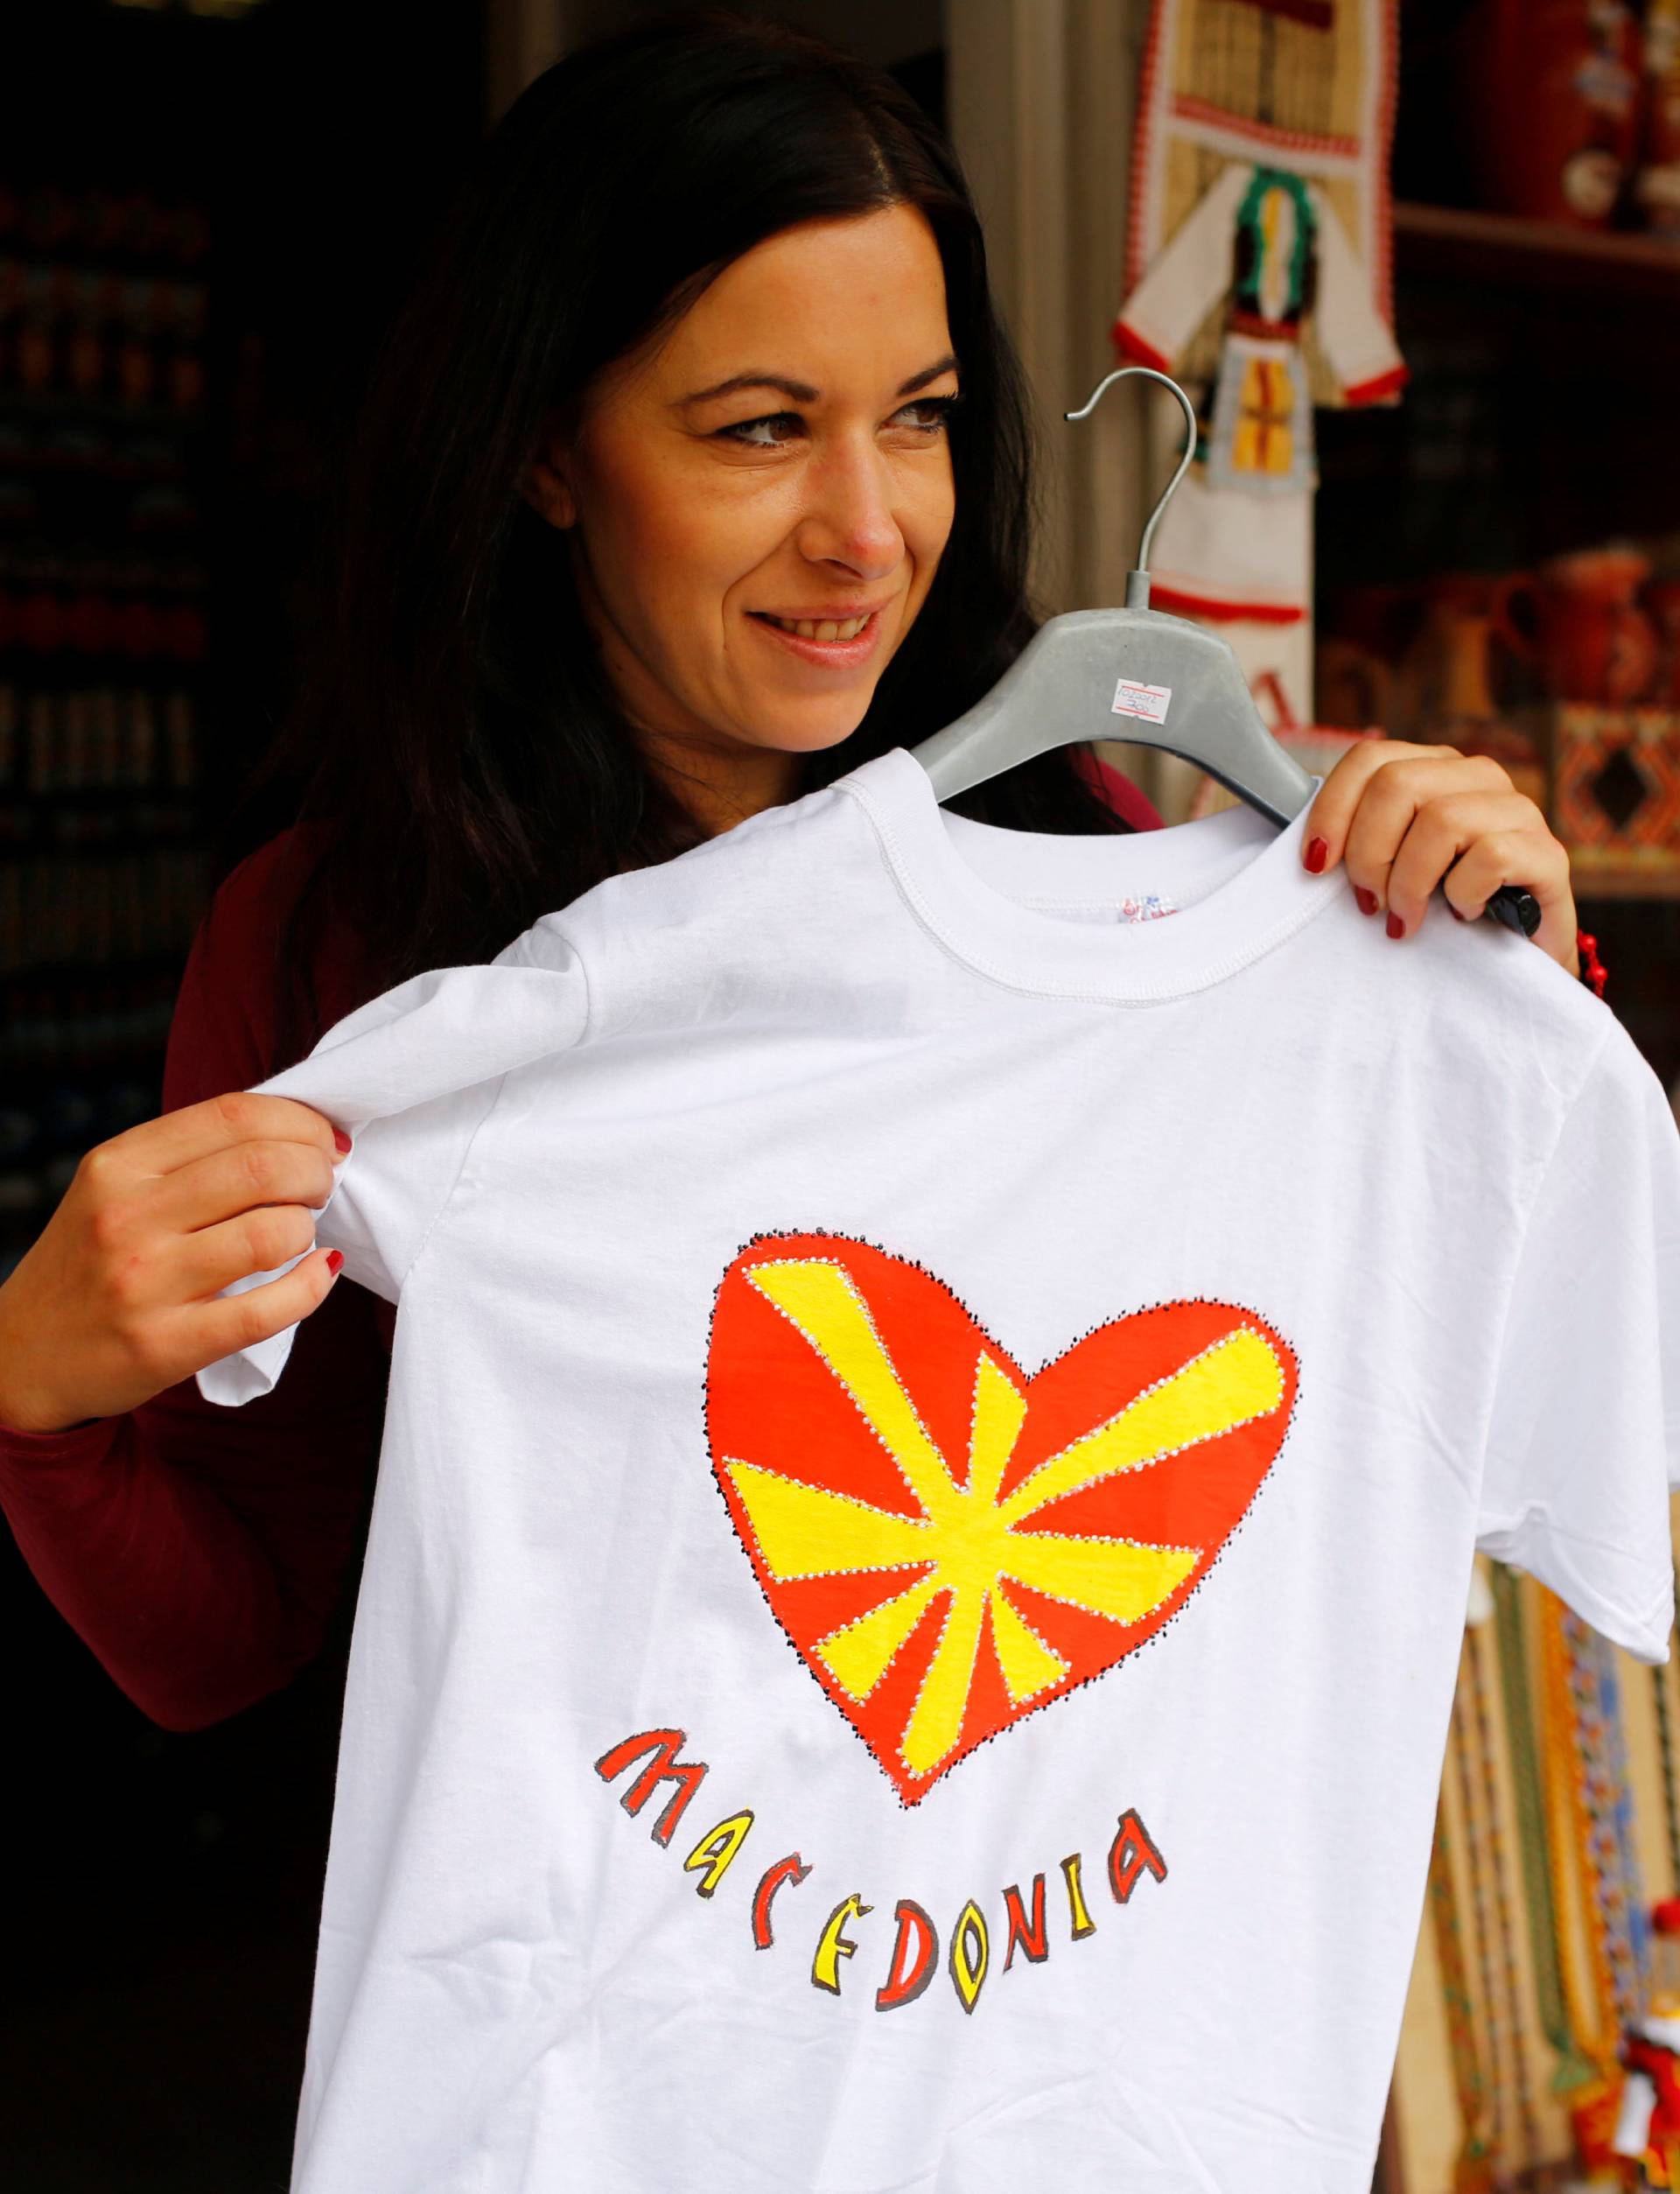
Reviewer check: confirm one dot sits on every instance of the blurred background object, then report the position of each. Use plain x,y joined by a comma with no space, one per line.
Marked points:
1499,553
206,212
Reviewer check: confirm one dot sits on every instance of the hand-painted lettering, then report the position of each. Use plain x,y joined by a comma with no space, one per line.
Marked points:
1082,1922
915,1952
834,1943
715,1852
664,1767
770,1880
970,1949
1129,1853
653,1758
1031,1938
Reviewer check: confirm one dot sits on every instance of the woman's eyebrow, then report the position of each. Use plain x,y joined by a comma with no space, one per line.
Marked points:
801,391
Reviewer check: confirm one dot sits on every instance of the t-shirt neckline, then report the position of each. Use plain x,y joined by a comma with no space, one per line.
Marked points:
1238,878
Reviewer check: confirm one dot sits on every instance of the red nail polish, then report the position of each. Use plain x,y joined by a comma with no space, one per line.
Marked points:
1367,899
340,1139
1396,928
1453,911
334,1258
1315,854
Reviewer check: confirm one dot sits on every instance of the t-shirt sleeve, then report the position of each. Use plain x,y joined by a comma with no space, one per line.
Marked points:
1584,1441
411,1076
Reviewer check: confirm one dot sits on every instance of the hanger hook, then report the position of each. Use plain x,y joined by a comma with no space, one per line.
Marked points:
1138,581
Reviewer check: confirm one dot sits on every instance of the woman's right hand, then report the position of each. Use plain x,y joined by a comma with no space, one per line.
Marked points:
118,1296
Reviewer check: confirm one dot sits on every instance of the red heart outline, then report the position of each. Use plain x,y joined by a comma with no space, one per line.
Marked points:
802,1463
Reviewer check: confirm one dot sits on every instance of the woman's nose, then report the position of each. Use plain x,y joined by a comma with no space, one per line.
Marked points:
850,518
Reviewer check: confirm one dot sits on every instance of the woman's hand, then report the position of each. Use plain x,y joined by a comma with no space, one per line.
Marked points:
1405,818
116,1299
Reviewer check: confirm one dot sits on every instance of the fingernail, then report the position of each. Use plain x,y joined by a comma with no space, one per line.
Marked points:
1453,911
340,1139
334,1258
1396,928
1315,854
1367,899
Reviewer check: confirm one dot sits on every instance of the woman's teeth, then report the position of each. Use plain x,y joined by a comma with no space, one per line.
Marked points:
826,630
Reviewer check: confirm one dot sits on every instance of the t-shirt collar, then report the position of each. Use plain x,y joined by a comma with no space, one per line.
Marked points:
1235,880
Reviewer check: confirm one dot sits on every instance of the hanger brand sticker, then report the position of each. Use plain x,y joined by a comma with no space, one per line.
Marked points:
1149,702
950,1541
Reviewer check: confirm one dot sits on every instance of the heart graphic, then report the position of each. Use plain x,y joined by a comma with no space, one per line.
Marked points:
948,1543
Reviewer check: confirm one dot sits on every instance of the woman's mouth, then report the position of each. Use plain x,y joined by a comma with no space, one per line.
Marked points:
835,644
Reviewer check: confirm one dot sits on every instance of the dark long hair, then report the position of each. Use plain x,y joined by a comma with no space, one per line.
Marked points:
464,766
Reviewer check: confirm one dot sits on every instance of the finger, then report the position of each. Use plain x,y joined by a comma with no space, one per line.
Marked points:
1528,855
214,1123
1391,801
1338,798
244,1177
204,1333
1439,834
204,1262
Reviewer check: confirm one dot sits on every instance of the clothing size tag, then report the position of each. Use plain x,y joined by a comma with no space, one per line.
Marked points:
1149,702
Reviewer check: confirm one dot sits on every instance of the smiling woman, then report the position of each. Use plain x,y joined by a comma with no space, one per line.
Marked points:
705,368
747,594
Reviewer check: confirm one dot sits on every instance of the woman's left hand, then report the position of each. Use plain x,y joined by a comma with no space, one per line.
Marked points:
1405,818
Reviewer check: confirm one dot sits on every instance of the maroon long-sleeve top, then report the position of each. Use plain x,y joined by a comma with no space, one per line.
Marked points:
199,1552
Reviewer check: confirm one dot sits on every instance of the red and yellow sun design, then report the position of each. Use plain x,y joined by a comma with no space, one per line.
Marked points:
950,1543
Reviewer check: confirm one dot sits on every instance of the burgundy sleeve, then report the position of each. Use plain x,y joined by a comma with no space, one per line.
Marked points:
198,1551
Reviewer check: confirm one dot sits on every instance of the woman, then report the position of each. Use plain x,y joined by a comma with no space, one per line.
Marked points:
705,347
546,668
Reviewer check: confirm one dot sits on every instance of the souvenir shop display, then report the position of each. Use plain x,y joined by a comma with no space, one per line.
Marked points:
1584,628
1474,2170
1515,2132
1657,188
1551,106
1571,2068
102,645
1566,673
1259,273
1616,798
1558,1978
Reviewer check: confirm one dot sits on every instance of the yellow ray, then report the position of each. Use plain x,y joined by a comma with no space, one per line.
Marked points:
1027,1663
936,1719
1109,1576
807,1533
1234,1381
822,1300
860,1652
1000,1413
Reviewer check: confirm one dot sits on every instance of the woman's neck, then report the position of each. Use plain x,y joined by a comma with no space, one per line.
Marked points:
719,787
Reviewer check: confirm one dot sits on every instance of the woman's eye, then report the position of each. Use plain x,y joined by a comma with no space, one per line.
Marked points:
744,428
941,406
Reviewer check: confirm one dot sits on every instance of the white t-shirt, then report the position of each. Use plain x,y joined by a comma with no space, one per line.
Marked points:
937,1435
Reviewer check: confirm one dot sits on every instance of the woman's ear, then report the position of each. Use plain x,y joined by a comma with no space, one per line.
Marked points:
545,486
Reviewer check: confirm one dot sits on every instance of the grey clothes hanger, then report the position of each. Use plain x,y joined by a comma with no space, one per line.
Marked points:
1071,679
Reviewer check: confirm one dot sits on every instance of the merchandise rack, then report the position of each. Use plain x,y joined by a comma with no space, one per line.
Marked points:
102,642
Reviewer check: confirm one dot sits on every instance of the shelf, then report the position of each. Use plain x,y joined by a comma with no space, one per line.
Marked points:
1507,252
1587,881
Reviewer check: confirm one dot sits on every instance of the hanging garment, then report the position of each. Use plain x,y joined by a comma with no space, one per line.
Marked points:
1258,275
1235,545
937,1437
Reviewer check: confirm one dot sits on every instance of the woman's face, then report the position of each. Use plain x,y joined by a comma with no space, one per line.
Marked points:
694,512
